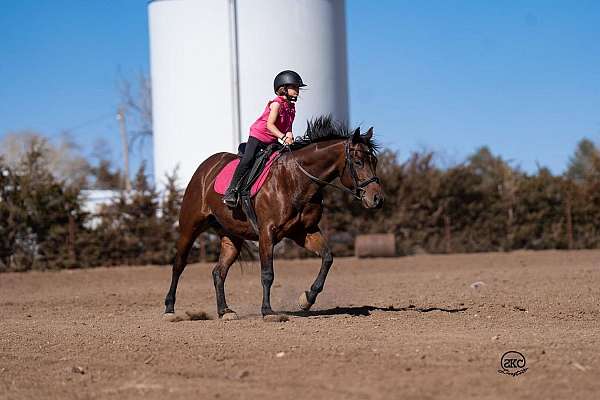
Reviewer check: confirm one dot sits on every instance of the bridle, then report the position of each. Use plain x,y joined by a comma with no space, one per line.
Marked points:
358,187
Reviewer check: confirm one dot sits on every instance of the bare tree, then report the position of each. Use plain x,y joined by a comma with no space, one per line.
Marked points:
62,156
136,104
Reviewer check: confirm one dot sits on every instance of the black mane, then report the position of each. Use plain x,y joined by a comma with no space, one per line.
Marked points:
326,128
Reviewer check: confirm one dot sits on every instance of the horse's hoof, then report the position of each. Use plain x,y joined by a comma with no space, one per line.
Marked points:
229,316
303,302
275,318
170,317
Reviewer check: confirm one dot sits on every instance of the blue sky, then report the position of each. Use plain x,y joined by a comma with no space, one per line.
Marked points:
520,76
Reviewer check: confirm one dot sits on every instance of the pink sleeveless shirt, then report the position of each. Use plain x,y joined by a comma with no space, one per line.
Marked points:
284,121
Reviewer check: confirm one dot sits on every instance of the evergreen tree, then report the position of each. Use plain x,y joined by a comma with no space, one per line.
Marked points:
585,163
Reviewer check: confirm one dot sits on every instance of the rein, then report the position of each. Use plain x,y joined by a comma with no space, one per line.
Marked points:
359,187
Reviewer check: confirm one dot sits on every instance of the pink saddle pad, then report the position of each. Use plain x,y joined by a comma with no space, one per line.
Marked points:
224,178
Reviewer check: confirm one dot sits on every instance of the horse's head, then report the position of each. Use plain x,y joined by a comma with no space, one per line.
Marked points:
360,169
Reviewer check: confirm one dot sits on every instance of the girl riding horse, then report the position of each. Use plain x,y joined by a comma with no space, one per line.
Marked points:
289,205
274,123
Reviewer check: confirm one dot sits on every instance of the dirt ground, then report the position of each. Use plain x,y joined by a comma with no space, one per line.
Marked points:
410,328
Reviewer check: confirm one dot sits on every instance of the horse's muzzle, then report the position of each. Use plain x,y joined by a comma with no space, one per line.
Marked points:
375,202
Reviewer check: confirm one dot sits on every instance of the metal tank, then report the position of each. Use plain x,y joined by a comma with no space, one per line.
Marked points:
213,63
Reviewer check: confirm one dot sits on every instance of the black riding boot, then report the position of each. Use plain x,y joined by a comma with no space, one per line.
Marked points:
231,196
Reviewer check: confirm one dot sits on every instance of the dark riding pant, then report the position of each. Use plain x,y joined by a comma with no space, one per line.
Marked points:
252,147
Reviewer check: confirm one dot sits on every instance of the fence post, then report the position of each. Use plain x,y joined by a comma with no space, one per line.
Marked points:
71,243
447,234
569,218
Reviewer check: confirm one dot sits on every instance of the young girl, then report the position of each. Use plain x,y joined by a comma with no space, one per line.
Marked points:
274,123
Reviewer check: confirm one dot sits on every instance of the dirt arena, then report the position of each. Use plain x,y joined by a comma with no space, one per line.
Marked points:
410,328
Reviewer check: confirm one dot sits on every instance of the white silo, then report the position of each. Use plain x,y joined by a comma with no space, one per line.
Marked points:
213,64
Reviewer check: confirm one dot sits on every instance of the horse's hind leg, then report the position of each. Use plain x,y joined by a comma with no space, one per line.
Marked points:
186,239
230,250
316,243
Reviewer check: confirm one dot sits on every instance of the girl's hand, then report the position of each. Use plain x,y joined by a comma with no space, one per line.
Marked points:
289,138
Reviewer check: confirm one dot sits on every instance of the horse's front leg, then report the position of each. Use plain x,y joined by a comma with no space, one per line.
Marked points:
265,249
316,243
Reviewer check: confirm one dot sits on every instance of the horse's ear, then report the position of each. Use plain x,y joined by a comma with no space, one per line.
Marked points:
369,134
356,135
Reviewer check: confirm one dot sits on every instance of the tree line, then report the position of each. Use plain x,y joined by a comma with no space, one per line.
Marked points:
481,204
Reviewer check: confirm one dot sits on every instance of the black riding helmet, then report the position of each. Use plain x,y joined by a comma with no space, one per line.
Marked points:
287,77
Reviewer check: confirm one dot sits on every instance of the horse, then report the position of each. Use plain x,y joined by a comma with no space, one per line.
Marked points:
288,205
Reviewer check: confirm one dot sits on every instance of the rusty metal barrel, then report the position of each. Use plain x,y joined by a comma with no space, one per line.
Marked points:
375,245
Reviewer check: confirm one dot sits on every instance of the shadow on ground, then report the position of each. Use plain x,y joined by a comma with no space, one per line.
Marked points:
366,310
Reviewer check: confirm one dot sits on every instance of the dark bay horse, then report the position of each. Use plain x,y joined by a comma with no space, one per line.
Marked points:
289,205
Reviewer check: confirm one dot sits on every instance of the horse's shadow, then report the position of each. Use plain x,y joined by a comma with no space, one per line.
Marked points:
364,311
